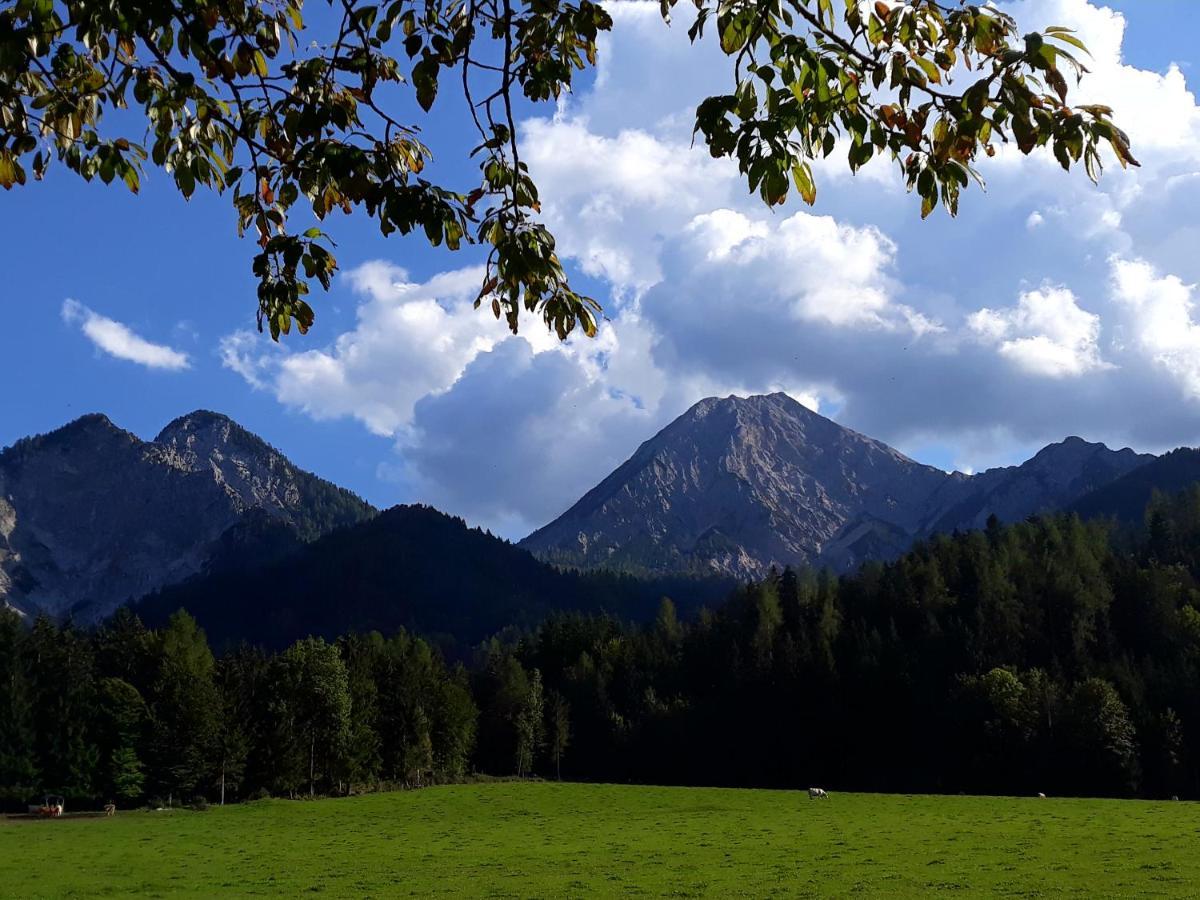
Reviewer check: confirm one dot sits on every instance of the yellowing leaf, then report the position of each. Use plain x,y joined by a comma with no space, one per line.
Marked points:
802,176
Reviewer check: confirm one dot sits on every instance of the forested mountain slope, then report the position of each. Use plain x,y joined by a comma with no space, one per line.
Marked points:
1126,498
410,567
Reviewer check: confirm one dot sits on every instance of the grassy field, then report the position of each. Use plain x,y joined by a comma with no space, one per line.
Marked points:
551,840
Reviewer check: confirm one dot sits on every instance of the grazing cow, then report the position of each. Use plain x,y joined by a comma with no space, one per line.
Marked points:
817,793
1040,794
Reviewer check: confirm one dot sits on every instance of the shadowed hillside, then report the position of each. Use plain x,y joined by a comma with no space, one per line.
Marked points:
410,567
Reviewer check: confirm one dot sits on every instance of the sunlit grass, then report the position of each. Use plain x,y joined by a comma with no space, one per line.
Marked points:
551,840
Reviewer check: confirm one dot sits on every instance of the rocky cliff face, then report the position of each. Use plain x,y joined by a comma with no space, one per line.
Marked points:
736,485
91,516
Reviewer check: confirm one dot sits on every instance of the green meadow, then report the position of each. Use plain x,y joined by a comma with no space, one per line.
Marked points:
564,840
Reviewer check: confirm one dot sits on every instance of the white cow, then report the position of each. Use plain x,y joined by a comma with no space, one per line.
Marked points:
817,793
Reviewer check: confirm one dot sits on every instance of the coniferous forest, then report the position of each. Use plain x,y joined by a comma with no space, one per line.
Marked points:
1053,655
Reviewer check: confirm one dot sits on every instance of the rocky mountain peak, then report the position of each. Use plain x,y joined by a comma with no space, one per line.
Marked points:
88,422
756,404
733,486
1076,449
82,432
1073,447
199,421
738,484
206,440
91,515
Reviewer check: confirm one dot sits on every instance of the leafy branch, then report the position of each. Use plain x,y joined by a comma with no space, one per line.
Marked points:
236,96
879,79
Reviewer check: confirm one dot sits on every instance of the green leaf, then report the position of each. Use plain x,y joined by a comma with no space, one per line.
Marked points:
185,181
735,31
1067,37
823,93
931,71
874,29
860,155
1055,79
747,100
8,171
424,76
802,176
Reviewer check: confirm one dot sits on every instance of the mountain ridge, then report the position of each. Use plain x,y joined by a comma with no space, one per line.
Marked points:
737,484
91,515
1125,499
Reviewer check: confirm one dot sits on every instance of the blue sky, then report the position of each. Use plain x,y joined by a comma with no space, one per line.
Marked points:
1049,307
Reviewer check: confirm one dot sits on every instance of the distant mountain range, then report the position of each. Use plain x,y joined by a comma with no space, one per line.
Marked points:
210,517
91,516
736,485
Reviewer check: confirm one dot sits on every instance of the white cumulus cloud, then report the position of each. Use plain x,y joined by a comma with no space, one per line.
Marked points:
1046,333
119,340
812,267
613,200
411,340
1162,322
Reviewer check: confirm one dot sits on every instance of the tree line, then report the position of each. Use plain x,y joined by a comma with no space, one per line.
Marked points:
1052,655
132,714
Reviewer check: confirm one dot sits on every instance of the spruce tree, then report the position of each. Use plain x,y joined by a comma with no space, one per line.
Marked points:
185,712
18,765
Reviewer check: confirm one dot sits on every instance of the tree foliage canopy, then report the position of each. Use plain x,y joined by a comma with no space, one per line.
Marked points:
246,97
